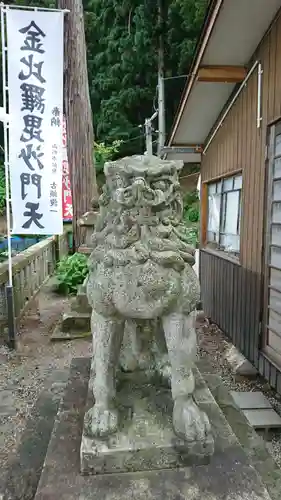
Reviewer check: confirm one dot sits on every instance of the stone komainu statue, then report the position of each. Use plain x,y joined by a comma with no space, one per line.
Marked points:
141,270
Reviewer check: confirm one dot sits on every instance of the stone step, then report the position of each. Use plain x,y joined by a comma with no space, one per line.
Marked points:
263,419
250,400
74,325
59,336
257,409
75,321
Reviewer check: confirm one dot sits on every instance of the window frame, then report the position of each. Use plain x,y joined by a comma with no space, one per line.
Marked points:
269,351
213,245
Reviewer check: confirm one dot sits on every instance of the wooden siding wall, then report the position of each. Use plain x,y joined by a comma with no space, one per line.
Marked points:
232,293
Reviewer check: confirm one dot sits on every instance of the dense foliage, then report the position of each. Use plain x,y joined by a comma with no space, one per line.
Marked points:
191,207
104,153
122,41
191,212
71,272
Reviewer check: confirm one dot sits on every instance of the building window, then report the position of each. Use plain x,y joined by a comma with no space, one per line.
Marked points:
224,214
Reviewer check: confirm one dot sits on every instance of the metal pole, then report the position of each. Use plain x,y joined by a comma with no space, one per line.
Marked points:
161,92
259,118
31,7
153,116
161,118
9,287
148,137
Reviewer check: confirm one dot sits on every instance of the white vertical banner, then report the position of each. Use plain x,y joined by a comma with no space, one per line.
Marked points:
35,89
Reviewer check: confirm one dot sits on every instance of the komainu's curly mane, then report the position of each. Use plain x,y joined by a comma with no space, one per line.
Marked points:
140,215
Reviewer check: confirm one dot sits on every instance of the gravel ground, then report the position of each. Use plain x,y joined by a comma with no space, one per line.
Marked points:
36,363
213,345
39,362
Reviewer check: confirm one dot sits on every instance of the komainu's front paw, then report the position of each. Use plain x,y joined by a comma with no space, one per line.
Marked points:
190,423
101,422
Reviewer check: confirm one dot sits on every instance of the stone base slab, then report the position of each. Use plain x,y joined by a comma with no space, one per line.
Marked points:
229,475
145,439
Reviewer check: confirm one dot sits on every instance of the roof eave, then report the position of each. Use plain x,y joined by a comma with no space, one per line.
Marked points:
208,23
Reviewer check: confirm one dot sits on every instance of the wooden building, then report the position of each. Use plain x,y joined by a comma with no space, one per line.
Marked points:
231,112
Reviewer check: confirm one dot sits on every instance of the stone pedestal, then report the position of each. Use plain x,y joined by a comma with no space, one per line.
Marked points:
76,323
145,439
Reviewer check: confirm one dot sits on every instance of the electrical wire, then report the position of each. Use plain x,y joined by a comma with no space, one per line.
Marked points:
179,76
133,138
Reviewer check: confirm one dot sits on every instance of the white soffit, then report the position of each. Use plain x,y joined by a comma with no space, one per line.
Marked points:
185,157
201,111
239,27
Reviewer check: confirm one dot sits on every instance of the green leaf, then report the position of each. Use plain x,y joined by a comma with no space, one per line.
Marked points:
71,272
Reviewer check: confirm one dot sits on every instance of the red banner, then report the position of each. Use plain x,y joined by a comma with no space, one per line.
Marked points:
67,208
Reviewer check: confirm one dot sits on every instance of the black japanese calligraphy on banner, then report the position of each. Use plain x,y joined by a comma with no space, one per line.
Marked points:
32,98
35,74
56,118
54,158
34,179
33,38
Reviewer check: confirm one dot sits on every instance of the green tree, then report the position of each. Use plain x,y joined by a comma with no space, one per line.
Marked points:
103,153
119,39
122,43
